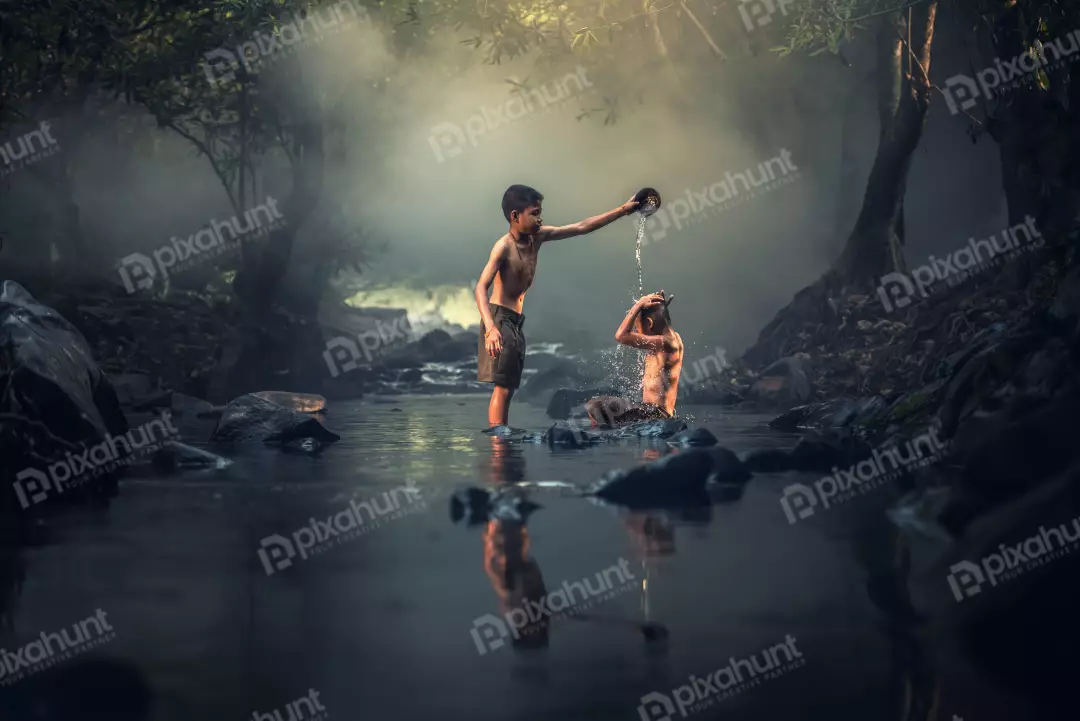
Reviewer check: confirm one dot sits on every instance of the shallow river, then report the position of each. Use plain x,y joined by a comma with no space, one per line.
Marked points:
379,623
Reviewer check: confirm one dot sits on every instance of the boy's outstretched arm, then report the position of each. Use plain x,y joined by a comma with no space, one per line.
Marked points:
558,232
492,337
626,335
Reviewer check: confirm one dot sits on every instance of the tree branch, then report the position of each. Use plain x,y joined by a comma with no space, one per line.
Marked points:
708,37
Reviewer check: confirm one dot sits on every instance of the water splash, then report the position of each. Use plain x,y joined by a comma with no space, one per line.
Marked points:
637,253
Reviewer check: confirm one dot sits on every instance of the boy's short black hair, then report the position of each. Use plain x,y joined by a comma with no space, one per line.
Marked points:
519,197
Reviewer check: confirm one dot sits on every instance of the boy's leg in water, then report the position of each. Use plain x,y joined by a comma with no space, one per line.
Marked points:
499,406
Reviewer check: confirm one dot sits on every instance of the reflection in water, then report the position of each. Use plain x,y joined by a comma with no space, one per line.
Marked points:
514,576
506,464
516,579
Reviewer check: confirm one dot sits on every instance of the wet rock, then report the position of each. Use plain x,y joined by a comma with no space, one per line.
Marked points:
534,438
300,402
726,467
838,413
183,405
767,460
982,375
652,429
175,455
676,479
250,419
131,388
785,382
819,452
1013,457
696,437
53,396
566,401
563,434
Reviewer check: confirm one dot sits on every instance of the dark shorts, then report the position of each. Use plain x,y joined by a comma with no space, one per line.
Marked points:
505,369
613,411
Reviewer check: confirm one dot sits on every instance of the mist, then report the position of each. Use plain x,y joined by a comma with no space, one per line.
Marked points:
431,200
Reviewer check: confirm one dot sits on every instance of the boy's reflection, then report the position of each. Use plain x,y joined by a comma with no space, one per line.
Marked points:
654,535
514,575
506,464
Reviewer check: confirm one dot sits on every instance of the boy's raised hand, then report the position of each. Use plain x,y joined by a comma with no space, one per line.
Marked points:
650,300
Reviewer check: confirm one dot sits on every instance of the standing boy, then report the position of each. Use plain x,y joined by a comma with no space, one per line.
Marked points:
512,267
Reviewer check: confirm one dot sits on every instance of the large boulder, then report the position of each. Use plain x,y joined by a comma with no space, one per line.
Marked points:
438,346
250,419
561,374
784,383
54,401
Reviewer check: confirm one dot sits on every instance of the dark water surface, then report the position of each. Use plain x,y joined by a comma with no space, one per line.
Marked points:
379,624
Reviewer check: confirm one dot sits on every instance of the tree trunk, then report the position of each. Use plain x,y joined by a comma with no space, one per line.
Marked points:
1038,137
876,245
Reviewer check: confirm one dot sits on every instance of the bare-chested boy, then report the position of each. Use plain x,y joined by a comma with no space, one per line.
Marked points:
646,326
512,267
